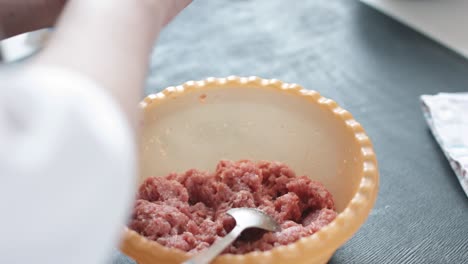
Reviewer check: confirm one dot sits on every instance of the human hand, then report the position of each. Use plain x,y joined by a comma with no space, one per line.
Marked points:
172,8
110,42
20,16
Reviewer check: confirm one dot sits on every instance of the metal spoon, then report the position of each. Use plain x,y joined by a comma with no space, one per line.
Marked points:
245,218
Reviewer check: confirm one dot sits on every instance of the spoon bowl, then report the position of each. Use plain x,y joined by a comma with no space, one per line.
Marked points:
251,217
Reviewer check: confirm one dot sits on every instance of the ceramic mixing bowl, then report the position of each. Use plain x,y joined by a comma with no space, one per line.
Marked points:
196,124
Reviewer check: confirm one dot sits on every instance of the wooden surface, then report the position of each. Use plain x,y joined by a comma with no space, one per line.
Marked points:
371,65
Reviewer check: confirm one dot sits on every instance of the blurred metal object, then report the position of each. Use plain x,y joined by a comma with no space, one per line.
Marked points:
443,20
22,46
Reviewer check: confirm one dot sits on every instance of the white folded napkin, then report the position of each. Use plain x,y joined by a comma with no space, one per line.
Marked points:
447,116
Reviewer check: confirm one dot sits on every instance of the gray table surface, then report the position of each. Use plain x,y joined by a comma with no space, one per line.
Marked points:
371,65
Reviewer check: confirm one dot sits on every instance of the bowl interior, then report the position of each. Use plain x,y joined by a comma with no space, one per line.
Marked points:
196,129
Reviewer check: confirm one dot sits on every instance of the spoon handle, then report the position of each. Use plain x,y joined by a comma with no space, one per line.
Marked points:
209,254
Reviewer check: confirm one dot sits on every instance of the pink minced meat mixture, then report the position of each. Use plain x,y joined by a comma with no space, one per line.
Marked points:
188,211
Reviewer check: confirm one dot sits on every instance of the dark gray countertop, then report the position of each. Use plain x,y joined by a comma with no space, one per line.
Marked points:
371,65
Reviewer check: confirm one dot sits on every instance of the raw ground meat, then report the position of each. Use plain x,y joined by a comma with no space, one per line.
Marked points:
188,211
